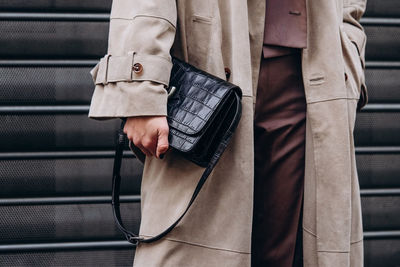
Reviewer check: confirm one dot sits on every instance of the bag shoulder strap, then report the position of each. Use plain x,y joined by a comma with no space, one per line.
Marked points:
116,182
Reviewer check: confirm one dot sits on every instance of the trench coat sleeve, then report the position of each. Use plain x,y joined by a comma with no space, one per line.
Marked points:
352,13
130,80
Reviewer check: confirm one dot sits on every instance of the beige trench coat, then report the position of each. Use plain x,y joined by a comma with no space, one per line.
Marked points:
219,34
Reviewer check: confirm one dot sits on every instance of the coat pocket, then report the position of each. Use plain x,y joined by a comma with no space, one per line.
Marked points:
354,67
199,38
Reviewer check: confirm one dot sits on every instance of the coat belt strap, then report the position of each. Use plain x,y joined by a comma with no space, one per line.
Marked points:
132,67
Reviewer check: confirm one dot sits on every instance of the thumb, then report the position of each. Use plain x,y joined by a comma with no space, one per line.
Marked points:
162,143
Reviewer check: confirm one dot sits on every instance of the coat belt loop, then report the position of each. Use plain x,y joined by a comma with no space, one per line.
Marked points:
132,55
107,58
103,70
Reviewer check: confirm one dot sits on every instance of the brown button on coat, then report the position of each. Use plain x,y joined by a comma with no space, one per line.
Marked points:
219,34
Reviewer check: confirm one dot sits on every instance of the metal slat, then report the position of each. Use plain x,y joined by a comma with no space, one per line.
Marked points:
109,153
65,222
380,192
54,130
62,39
380,211
376,126
41,16
48,63
136,198
366,21
64,200
59,155
381,234
381,108
114,257
66,174
45,85
125,244
382,64
377,150
62,109
90,245
383,85
383,41
56,5
383,252
384,8
378,170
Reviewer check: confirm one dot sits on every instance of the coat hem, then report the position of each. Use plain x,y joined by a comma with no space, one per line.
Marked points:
203,246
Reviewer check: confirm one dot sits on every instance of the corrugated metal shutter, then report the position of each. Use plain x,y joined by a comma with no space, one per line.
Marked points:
55,163
377,135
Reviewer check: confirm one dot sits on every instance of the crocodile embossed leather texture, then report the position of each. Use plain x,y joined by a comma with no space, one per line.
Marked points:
200,111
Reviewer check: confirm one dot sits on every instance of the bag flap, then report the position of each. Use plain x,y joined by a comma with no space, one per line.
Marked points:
196,99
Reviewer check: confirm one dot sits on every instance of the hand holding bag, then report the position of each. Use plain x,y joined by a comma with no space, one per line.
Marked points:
203,112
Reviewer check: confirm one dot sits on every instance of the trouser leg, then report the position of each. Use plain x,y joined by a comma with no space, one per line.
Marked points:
279,136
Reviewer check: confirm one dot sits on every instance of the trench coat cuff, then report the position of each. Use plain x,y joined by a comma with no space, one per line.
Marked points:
128,99
129,86
132,67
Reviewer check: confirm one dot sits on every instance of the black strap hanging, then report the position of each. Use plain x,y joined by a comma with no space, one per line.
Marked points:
116,182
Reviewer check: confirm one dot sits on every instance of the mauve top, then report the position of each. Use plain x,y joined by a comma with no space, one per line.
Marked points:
285,27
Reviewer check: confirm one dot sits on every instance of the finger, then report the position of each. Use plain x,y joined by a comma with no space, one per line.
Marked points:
162,143
150,144
144,150
128,127
137,142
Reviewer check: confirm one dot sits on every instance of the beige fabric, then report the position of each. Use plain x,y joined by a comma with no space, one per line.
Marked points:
120,68
218,34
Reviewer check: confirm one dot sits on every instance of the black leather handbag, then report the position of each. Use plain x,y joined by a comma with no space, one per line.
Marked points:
203,112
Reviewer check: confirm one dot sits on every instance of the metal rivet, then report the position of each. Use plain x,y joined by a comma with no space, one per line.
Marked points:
171,91
227,73
137,68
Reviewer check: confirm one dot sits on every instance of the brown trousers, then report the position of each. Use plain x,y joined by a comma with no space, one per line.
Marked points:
279,136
